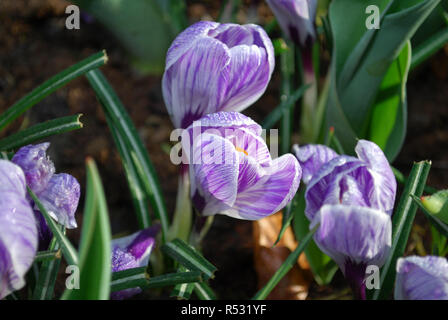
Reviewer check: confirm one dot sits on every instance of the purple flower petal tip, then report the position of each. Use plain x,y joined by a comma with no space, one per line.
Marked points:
365,181
60,198
422,278
18,241
232,170
240,58
132,252
311,158
36,165
296,18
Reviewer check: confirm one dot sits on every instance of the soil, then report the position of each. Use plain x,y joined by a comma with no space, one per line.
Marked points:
34,45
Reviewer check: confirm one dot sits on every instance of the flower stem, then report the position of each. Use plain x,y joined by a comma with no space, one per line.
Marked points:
181,226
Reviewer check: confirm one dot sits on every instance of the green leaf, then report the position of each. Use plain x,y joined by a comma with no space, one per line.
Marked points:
95,61
47,255
41,131
284,268
134,145
67,249
95,244
203,291
389,112
276,114
321,265
437,223
47,274
402,222
188,257
429,47
361,59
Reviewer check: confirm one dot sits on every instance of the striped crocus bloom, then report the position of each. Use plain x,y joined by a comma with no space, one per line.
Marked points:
422,278
18,232
132,252
232,171
213,67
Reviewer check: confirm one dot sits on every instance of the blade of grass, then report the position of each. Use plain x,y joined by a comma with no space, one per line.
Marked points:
203,291
287,70
401,226
285,267
47,255
48,272
67,248
115,109
402,180
41,131
94,61
429,47
188,257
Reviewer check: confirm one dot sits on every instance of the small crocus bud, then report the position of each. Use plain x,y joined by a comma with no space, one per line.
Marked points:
296,18
12,178
60,198
366,181
232,172
437,204
354,237
18,240
422,278
36,165
312,157
213,67
132,252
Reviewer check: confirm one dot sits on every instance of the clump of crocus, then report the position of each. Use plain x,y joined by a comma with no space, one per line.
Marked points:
437,204
18,232
213,67
59,193
296,18
349,200
132,252
232,171
422,278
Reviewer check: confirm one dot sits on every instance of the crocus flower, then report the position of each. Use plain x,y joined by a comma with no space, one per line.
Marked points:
366,181
59,193
422,278
18,233
296,18
213,67
312,157
354,237
132,252
232,171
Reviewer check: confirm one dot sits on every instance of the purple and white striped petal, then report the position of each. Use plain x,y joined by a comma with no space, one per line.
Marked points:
212,67
296,18
312,157
422,278
36,165
60,198
354,237
18,241
132,252
12,178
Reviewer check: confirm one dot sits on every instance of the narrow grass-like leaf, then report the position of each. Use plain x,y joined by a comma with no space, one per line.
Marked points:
41,131
203,291
437,223
95,244
131,278
287,218
401,178
182,290
188,257
136,187
134,145
285,267
287,71
402,221
276,114
429,47
94,61
47,255
67,249
47,275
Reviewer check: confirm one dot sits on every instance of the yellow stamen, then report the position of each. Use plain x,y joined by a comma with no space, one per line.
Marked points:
241,150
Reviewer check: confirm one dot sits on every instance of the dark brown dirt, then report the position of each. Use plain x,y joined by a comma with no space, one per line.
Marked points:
34,45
